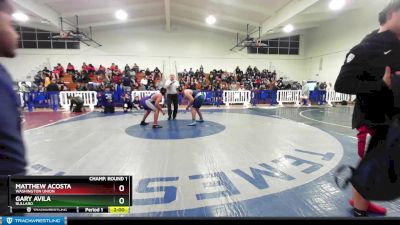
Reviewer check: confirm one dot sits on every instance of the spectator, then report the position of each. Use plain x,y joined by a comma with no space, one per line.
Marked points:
147,73
46,71
116,79
99,78
150,81
127,101
117,71
34,87
55,74
102,70
108,100
80,87
305,93
241,88
53,87
85,68
233,87
144,83
38,78
118,92
136,103
70,69
53,91
127,69
91,69
60,69
64,87
135,85
41,87
113,67
322,93
135,68
47,81
191,73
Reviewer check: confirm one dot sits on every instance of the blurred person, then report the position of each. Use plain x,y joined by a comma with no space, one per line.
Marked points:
127,68
85,68
108,101
76,105
127,102
60,69
55,73
305,93
91,68
70,69
53,91
136,68
12,149
136,103
367,72
127,83
101,70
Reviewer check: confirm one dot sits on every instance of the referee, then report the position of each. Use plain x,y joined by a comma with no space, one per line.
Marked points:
172,86
12,150
367,73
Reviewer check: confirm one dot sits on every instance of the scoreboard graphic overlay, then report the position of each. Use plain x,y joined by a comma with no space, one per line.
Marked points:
70,194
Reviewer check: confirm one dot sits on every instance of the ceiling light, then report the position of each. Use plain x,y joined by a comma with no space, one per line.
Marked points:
288,28
121,15
211,20
44,21
19,16
337,4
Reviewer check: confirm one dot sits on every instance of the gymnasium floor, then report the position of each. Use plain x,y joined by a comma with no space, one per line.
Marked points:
261,162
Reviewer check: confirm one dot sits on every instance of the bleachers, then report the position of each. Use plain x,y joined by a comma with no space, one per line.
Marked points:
69,82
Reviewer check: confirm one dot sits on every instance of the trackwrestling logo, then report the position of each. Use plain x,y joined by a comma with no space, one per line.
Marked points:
32,220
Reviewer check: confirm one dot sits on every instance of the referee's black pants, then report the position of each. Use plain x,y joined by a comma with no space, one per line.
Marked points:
172,99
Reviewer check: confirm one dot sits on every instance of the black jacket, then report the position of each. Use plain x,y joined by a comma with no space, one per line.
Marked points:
53,88
12,149
362,75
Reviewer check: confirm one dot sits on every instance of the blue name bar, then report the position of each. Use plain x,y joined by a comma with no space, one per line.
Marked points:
32,220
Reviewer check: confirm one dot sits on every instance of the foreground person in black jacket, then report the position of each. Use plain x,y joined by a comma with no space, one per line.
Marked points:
12,149
367,73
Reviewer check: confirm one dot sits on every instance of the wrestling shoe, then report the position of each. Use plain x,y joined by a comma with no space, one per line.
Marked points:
372,208
144,123
192,124
157,126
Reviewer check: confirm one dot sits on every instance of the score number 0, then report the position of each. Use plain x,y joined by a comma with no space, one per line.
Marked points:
121,188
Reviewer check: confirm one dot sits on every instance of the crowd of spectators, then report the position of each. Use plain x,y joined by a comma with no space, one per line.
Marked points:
251,79
90,78
113,85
